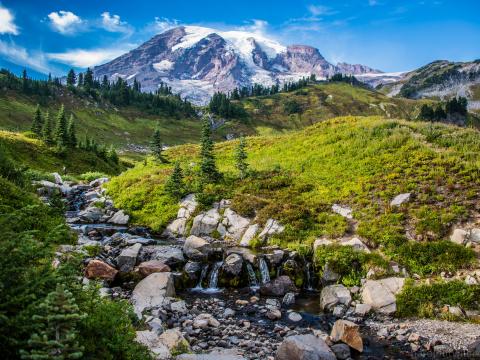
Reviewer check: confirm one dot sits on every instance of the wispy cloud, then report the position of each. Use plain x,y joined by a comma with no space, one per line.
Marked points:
317,10
113,23
89,57
161,24
7,22
20,56
65,22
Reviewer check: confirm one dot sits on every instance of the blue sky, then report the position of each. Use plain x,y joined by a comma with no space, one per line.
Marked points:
54,35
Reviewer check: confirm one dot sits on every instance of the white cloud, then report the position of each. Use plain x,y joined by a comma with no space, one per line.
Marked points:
256,26
87,58
317,10
113,23
65,22
7,24
20,56
163,24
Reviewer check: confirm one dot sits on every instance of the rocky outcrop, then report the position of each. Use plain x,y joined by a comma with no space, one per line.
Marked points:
304,347
347,332
97,269
233,226
334,295
205,223
119,218
170,255
278,286
344,211
233,264
128,258
272,227
152,291
249,235
380,294
400,199
196,248
179,226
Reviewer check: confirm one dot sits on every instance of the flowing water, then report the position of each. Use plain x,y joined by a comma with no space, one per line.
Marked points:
252,277
199,286
308,277
264,270
213,279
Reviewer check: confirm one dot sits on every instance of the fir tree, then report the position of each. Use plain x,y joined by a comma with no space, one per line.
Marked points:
241,157
208,167
37,122
71,78
80,79
47,129
174,185
56,334
88,79
61,131
156,145
112,155
72,135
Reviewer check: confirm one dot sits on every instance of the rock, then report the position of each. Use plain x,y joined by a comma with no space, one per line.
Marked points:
174,341
341,351
151,340
456,311
224,354
274,314
169,255
179,225
380,294
156,325
288,299
98,182
58,178
344,211
475,235
470,280
362,309
192,269
97,269
304,347
196,248
179,307
205,223
413,337
348,333
153,266
119,218
249,235
400,199
228,313
356,243
233,264
333,295
321,242
208,319
151,291
443,350
339,311
272,227
275,257
459,236
294,316
474,348
278,287
91,196
246,254
328,275
272,304
91,214
233,226
134,239
128,258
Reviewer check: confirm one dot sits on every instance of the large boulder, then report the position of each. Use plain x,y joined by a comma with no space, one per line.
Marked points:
128,258
91,214
151,291
304,347
272,227
218,354
334,295
278,287
162,346
233,264
233,226
247,254
196,248
275,257
192,268
153,266
205,223
119,218
97,269
249,235
178,226
168,254
347,332
380,294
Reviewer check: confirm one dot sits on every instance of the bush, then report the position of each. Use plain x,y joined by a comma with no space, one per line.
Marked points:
92,175
423,300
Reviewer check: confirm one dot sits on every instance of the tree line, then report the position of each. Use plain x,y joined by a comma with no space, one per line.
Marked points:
444,110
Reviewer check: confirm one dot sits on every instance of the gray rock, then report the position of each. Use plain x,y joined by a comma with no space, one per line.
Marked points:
170,255
362,309
321,242
205,223
249,235
294,316
328,275
459,236
475,235
196,248
246,254
151,340
233,264
127,259
152,291
304,347
341,351
233,226
58,178
275,257
288,299
98,182
119,218
179,307
400,199
278,287
179,225
272,227
192,268
333,295
380,294
344,211
227,354
474,348
356,243
91,214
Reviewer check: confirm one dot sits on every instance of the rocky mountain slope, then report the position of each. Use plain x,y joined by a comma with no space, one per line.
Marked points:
197,61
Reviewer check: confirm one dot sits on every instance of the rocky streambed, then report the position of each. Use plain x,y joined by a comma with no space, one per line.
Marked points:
203,296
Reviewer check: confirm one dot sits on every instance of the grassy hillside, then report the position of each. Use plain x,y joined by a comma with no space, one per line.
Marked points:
274,113
27,152
106,124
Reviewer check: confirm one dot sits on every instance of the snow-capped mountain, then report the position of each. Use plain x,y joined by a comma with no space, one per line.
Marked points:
197,61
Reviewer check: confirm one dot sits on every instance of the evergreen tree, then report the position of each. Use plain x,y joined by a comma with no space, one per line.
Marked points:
88,79
208,167
47,129
80,79
71,78
112,155
24,80
56,334
156,145
72,136
37,122
241,157
61,131
174,185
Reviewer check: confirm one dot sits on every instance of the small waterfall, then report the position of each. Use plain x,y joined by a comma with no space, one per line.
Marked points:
264,270
202,276
213,280
252,277
308,277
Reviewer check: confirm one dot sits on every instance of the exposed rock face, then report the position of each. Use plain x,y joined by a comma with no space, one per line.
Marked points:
196,248
169,255
380,294
356,243
233,226
304,347
128,258
278,286
233,264
119,218
205,223
459,236
97,269
152,290
344,211
272,227
249,235
348,333
333,295
197,61
400,199
227,354
153,266
179,226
